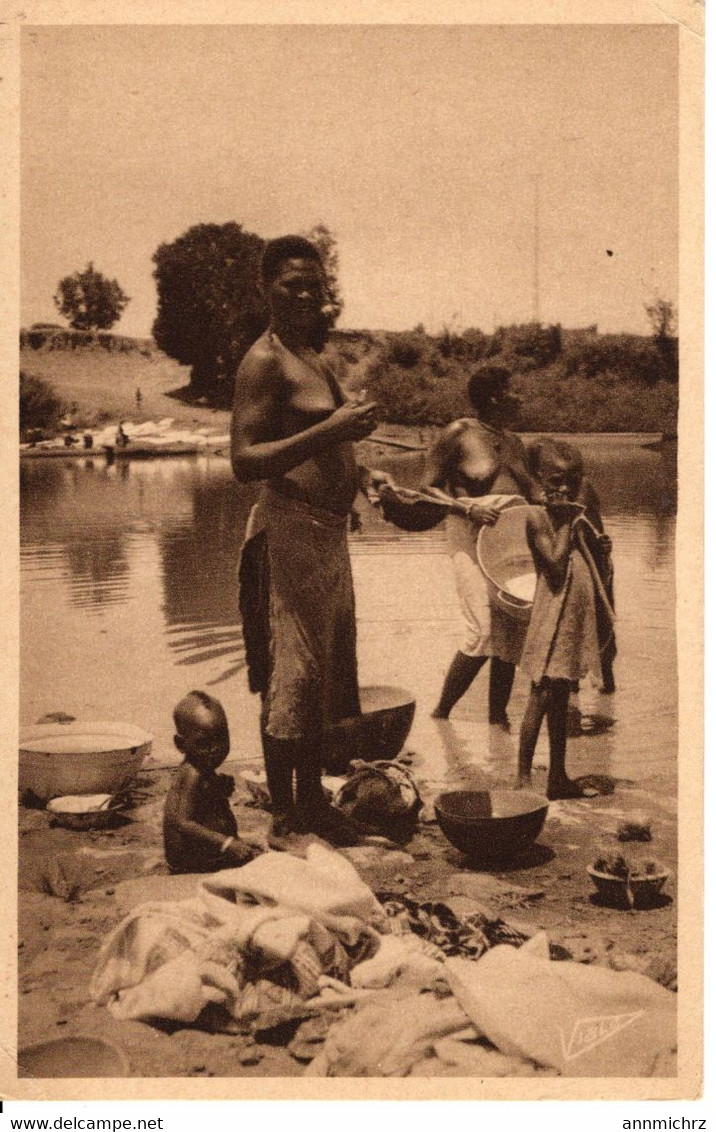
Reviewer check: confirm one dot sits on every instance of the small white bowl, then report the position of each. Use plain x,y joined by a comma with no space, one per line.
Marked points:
84,811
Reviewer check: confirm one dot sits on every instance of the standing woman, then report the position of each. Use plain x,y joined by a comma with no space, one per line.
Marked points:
293,428
473,458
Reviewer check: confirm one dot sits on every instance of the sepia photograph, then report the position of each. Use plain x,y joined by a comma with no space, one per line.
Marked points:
359,696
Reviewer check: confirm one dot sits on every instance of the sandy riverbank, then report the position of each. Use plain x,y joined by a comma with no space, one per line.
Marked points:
99,876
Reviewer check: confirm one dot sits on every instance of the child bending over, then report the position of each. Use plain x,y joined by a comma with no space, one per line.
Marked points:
562,643
200,834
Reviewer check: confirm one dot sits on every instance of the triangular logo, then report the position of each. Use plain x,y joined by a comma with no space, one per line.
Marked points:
590,1032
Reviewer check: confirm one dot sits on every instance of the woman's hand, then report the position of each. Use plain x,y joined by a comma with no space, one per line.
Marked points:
606,543
480,514
352,421
239,851
564,510
374,482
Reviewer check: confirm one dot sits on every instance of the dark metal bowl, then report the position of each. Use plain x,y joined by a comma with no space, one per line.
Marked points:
378,733
488,824
645,890
81,1055
411,515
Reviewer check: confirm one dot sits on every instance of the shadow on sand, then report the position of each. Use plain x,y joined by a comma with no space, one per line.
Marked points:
532,857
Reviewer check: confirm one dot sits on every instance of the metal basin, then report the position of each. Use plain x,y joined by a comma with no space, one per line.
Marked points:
96,816
418,515
505,559
486,824
80,1056
634,892
378,733
80,758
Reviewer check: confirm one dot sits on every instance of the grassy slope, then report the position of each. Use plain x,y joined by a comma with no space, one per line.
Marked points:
103,386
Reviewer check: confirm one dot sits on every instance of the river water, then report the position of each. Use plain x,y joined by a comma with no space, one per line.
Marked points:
128,600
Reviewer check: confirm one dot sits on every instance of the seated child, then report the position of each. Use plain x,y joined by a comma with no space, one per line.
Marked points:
562,643
200,833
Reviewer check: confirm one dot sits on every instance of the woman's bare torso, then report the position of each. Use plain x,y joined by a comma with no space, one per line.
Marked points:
330,479
481,462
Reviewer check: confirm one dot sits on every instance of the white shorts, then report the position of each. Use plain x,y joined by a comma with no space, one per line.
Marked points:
488,631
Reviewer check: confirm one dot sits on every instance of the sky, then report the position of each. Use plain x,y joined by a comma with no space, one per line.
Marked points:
447,161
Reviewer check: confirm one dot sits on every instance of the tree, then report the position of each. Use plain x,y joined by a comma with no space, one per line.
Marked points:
663,318
325,241
40,406
209,306
89,301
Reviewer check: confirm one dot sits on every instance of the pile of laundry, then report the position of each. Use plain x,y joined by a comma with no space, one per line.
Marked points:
305,944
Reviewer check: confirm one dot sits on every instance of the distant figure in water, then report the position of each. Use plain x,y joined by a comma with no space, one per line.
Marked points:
562,642
200,833
473,461
121,439
138,398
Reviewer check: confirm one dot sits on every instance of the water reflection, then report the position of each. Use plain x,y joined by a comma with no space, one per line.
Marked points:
199,560
148,550
99,570
92,515
67,528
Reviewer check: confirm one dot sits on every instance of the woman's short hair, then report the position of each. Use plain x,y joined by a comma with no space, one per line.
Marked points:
485,383
278,251
550,451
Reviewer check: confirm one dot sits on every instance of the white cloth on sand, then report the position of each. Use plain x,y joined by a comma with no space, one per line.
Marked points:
387,1037
325,884
406,955
168,959
584,1021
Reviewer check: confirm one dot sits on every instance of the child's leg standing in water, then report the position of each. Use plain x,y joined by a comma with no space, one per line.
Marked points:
549,697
